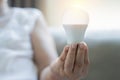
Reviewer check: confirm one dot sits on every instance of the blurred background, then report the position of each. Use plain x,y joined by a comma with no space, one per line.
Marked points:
103,13
22,3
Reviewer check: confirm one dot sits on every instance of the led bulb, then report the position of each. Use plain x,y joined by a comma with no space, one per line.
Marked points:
75,22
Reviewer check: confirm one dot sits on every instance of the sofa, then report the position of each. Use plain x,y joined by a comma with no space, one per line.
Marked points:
104,51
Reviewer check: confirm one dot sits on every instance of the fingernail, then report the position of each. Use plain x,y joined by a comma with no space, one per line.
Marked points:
66,49
74,45
81,45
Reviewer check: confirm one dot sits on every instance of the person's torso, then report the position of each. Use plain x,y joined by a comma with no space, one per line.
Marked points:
15,45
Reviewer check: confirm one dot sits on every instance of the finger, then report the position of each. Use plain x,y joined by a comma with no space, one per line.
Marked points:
64,53
69,62
61,60
86,62
84,71
79,62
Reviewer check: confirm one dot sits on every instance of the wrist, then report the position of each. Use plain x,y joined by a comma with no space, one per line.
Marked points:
48,74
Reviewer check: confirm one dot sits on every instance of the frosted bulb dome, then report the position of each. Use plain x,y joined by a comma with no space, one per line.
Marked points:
75,16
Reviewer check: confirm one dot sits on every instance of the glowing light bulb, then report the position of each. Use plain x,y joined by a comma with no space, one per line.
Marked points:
75,22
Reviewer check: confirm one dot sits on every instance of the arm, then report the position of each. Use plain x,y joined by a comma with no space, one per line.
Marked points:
44,49
71,65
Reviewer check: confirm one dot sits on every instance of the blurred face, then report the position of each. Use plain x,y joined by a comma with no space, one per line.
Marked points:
3,1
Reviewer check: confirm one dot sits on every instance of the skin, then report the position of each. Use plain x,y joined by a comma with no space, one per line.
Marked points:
73,62
4,9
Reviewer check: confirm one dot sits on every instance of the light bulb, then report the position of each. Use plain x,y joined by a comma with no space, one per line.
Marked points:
75,22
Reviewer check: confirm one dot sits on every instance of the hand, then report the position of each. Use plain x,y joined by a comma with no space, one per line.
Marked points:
72,64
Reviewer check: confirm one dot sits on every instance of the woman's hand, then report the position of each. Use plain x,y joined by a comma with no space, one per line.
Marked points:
72,64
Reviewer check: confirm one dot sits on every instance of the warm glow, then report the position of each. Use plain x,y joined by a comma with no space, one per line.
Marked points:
102,13
75,15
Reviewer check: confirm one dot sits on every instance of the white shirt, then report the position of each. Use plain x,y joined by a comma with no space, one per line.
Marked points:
16,52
